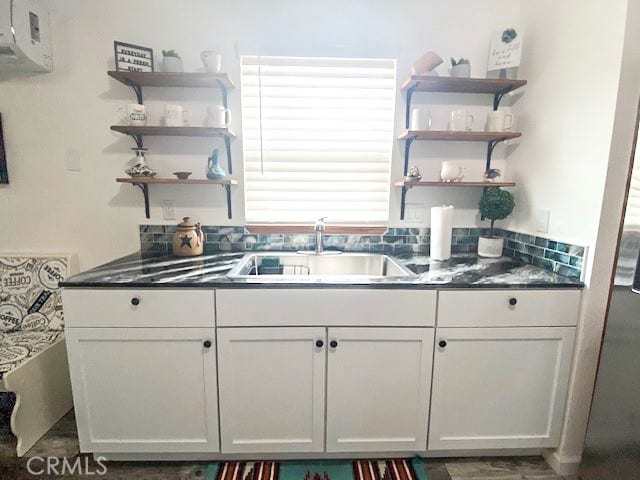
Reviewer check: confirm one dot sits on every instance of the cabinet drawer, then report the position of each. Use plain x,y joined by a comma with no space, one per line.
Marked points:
325,306
508,308
138,308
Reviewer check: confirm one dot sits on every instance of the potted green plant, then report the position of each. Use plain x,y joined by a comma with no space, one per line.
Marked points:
171,61
495,204
460,68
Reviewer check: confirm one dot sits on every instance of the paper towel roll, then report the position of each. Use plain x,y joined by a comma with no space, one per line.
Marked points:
441,225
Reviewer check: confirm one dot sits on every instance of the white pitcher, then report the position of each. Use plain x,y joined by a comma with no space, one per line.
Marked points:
451,171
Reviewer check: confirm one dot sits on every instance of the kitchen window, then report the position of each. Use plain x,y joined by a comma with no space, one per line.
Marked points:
317,136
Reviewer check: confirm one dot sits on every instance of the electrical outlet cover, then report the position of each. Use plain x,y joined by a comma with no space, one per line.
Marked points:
541,219
168,210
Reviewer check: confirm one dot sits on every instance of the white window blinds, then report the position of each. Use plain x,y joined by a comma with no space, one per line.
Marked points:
317,136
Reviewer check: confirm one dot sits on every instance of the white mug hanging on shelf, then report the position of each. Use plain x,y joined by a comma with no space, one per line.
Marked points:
460,120
176,116
133,114
218,117
420,119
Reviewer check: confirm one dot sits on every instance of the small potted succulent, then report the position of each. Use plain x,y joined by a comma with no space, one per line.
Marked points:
495,204
171,61
460,68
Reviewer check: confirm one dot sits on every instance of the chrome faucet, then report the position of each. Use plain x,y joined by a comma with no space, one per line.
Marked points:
319,229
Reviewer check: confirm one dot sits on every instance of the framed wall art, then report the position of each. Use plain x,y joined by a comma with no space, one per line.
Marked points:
133,58
4,174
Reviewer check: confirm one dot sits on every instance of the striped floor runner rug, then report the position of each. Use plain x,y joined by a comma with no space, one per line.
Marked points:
387,469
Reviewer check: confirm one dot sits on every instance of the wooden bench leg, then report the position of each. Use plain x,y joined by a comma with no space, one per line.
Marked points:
43,394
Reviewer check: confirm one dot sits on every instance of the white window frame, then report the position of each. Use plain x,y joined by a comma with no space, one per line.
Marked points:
317,139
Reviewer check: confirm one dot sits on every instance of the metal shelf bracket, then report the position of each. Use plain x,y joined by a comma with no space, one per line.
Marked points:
144,188
498,97
403,200
407,115
407,150
228,190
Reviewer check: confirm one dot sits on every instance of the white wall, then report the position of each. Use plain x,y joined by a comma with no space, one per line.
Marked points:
572,64
575,154
46,208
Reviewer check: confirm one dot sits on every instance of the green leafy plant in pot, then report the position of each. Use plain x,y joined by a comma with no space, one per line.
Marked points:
171,61
460,68
495,204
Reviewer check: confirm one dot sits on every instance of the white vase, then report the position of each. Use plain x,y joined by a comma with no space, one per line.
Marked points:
172,64
490,247
461,71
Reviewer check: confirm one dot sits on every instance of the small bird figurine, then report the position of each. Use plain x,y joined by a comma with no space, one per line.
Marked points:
492,174
414,174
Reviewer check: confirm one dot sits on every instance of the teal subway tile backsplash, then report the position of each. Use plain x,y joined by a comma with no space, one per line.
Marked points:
551,255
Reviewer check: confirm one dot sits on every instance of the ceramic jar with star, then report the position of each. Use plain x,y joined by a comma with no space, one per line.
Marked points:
188,240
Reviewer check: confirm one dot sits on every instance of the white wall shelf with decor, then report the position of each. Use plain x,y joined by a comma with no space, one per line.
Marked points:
498,87
137,80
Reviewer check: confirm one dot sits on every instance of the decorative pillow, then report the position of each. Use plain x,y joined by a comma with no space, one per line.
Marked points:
29,294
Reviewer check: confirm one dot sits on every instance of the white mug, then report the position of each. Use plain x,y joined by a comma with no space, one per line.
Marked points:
218,116
212,61
420,119
460,121
499,121
510,125
133,114
176,116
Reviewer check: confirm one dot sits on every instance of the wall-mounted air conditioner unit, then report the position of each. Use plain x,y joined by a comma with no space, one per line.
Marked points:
25,37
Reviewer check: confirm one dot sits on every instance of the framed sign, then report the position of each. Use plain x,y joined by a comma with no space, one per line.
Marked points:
133,58
505,49
4,174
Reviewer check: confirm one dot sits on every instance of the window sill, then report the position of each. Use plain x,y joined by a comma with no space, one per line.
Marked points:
306,228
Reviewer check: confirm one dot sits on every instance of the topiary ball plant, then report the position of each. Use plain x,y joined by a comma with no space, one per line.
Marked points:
496,204
170,53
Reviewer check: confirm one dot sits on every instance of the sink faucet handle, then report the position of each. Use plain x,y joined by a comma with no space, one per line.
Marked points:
320,224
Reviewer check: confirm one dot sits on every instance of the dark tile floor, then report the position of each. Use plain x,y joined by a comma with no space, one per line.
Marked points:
62,442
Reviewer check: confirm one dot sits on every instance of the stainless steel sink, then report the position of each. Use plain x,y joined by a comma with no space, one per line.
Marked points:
281,264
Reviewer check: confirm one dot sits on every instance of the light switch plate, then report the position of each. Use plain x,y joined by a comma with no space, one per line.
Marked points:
415,213
168,210
541,219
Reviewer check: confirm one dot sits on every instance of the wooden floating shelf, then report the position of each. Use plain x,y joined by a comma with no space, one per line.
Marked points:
170,79
404,183
457,136
428,83
177,181
174,131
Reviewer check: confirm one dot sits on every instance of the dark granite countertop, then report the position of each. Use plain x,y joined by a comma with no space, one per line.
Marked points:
149,269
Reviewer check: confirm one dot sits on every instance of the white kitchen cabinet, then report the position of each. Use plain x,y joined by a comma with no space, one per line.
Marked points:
272,389
508,308
499,387
330,307
378,384
144,389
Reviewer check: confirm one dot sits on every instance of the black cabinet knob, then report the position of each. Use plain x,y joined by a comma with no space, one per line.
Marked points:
333,343
207,344
135,301
513,301
319,343
442,343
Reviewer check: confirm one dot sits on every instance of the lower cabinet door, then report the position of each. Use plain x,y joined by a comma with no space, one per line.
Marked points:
144,389
272,383
499,387
378,386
